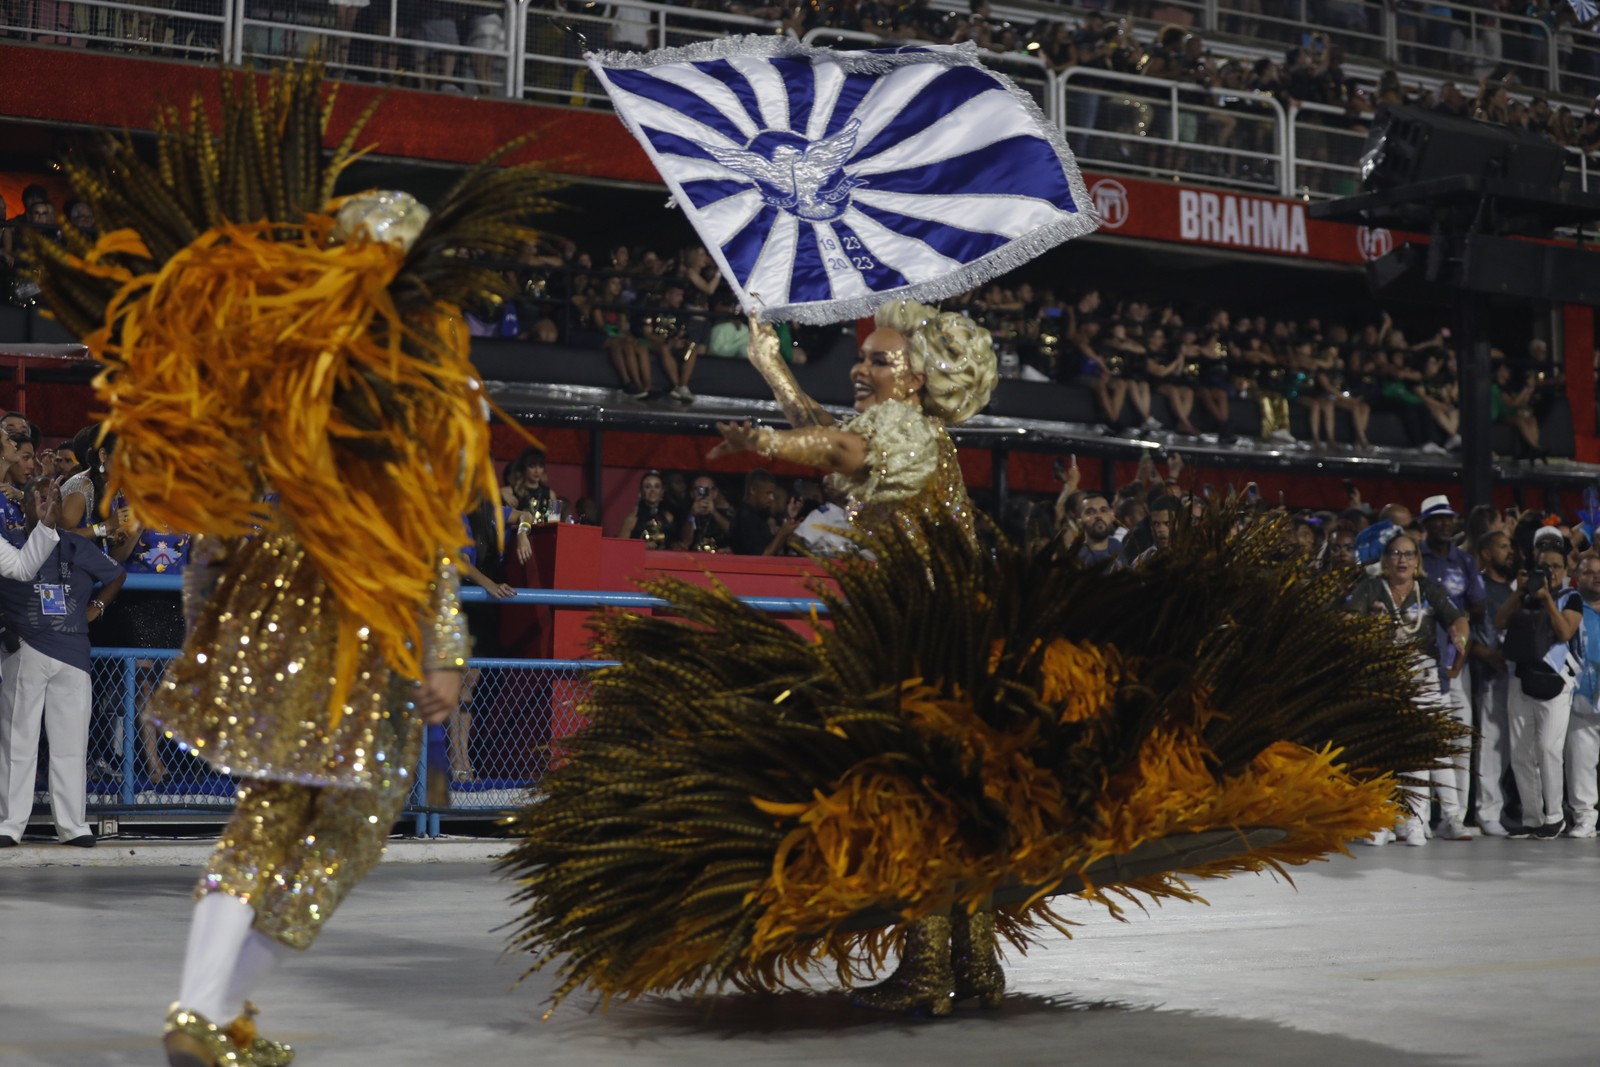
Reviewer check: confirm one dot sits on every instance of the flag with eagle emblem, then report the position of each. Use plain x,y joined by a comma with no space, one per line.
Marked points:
826,183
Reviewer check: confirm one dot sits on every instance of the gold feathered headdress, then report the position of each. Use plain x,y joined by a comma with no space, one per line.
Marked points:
264,341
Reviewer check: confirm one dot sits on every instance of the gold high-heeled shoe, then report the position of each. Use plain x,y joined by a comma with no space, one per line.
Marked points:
192,1040
262,1052
975,958
923,982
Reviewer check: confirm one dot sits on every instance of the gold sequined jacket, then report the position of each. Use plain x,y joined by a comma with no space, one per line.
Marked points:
912,470
251,690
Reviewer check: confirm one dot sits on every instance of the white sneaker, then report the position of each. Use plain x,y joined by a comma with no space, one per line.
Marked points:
1434,450
1450,830
1377,839
1491,828
1582,827
1151,424
1281,436
1453,444
682,393
1415,833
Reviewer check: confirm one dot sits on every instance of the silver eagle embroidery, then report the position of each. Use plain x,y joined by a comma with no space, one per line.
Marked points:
794,179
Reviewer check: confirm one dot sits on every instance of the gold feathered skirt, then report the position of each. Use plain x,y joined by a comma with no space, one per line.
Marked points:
965,728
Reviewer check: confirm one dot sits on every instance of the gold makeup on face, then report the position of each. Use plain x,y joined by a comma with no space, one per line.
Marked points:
896,357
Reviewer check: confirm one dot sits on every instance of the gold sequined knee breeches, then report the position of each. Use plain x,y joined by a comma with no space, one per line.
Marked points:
294,852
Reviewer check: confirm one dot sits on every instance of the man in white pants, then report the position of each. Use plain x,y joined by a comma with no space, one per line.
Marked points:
1583,729
1491,682
47,597
1539,701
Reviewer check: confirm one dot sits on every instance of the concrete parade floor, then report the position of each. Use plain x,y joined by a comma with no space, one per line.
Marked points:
1456,954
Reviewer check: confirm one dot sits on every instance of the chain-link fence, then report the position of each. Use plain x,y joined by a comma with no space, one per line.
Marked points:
131,766
493,752
489,758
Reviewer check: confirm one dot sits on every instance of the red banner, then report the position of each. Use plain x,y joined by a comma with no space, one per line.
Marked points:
1163,211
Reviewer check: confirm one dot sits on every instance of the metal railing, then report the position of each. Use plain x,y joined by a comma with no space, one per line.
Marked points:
1159,127
1472,42
1114,121
1361,26
487,760
448,45
202,30
1030,72
1323,148
1448,37
550,66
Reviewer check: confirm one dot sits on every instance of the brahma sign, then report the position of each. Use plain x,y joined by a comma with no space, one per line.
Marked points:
1161,211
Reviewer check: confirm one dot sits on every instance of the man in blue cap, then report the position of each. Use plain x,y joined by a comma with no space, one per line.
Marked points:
1447,563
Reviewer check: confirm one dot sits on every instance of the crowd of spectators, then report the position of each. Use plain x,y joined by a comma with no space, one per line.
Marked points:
1481,562
1313,67
434,44
649,311
654,315
765,516
38,212
1130,349
1500,610
1496,77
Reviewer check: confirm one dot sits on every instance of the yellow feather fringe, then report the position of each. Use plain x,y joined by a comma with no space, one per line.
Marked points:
252,363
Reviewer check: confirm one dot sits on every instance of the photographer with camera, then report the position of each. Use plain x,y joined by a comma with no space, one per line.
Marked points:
706,526
1540,619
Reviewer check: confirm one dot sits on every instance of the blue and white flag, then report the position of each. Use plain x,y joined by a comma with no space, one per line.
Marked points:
1586,10
825,183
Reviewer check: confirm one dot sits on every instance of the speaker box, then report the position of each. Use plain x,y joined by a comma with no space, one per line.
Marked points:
1534,270
1408,144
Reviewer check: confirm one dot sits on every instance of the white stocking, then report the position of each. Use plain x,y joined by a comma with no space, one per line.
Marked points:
257,957
217,933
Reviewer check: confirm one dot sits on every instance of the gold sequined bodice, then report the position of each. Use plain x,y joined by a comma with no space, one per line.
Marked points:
912,470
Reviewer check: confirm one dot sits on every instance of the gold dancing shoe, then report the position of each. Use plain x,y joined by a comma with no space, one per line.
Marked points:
924,983
975,958
263,1053
192,1040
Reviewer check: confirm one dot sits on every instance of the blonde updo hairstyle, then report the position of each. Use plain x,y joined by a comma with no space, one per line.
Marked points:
954,353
